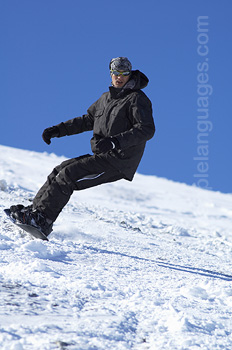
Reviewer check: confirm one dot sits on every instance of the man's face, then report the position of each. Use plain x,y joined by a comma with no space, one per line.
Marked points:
119,81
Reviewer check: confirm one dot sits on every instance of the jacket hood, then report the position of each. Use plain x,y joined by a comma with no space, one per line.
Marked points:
141,80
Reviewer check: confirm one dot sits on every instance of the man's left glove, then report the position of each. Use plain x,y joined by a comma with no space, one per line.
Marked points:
106,144
48,133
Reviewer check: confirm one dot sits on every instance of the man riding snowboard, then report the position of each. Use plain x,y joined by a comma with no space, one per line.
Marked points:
122,123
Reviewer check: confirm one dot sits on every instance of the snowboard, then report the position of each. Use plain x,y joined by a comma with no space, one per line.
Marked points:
33,231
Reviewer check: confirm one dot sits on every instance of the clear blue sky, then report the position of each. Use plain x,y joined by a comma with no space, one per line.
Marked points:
54,65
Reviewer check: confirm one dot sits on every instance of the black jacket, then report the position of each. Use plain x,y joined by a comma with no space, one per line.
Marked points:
124,113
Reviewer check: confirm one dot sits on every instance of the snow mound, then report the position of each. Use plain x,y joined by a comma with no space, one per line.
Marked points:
141,265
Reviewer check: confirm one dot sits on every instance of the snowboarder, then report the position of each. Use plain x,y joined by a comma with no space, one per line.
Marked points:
122,122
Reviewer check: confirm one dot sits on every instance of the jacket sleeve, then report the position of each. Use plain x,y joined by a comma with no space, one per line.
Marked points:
76,125
80,124
143,127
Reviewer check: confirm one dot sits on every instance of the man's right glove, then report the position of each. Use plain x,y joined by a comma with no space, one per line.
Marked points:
106,144
49,133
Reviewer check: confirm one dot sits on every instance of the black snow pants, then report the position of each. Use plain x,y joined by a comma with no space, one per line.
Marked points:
72,175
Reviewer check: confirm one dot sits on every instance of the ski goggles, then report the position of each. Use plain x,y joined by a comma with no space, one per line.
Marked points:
117,73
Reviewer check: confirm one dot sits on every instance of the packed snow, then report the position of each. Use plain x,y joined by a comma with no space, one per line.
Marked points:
141,265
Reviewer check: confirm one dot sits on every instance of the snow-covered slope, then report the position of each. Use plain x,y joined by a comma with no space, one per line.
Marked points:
141,265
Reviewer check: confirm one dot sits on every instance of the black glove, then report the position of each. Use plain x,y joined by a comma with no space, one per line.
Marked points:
106,144
49,133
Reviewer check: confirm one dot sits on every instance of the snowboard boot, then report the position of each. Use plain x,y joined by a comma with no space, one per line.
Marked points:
17,207
28,216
